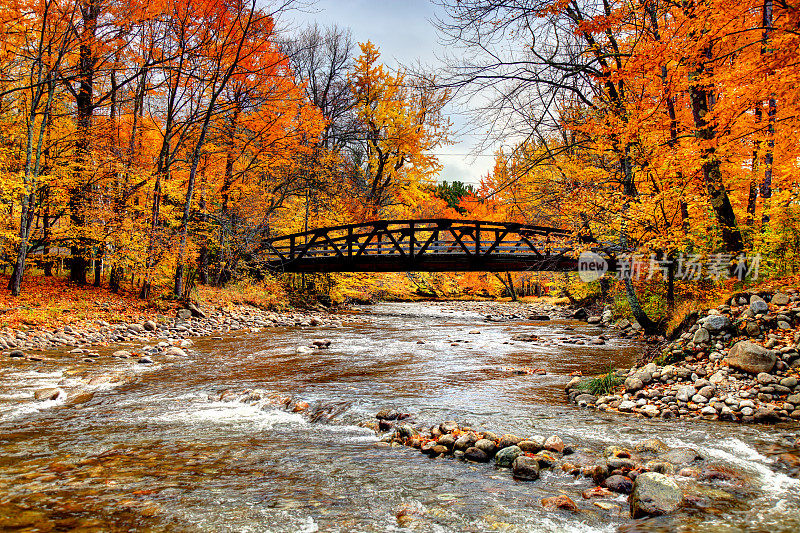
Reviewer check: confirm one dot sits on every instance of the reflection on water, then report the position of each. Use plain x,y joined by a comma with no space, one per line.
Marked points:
179,448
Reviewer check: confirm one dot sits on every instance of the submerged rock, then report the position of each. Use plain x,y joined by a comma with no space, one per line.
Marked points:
654,494
506,456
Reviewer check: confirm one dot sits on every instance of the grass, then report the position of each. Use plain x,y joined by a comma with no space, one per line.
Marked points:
602,384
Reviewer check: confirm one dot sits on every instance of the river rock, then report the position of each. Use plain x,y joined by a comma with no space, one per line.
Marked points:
465,441
525,468
680,456
476,455
559,502
701,336
633,384
618,483
447,440
757,305
448,427
486,446
715,323
47,394
685,393
506,456
750,357
651,446
654,494
554,444
531,445
508,440
16,353
780,299
183,314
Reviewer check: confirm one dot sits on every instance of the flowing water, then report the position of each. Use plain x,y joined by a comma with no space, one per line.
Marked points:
179,448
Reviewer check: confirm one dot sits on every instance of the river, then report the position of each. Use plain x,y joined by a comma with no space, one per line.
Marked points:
180,447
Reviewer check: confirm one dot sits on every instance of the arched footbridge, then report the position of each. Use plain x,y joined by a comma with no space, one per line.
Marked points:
434,245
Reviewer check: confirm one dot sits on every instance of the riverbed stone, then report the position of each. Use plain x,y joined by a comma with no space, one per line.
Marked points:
780,299
750,357
715,323
757,305
554,444
701,336
50,393
508,440
529,446
475,455
651,446
681,456
561,502
654,494
488,447
619,483
525,468
505,457
465,441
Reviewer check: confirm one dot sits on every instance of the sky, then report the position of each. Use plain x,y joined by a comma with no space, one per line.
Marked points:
404,33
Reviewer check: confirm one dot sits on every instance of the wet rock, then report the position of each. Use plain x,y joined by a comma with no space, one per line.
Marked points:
525,468
122,354
448,427
765,415
662,467
145,360
750,357
562,502
16,353
387,414
438,450
476,455
618,483
486,446
47,394
681,456
447,440
597,492
545,459
465,441
505,457
530,446
508,440
651,446
654,494
554,444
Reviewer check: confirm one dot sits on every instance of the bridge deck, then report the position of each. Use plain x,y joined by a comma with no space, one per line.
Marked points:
434,245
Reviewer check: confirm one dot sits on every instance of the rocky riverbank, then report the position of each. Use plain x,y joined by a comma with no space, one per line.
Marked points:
650,479
738,362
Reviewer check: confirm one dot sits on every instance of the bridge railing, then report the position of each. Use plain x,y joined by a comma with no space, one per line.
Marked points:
414,238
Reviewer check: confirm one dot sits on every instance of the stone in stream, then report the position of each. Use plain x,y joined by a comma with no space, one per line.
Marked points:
618,483
680,456
465,441
476,455
448,427
554,444
559,502
16,353
47,394
750,357
531,445
525,468
486,446
447,440
654,494
651,446
508,440
122,354
506,456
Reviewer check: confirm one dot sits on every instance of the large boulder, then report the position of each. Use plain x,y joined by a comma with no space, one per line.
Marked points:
654,494
750,357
